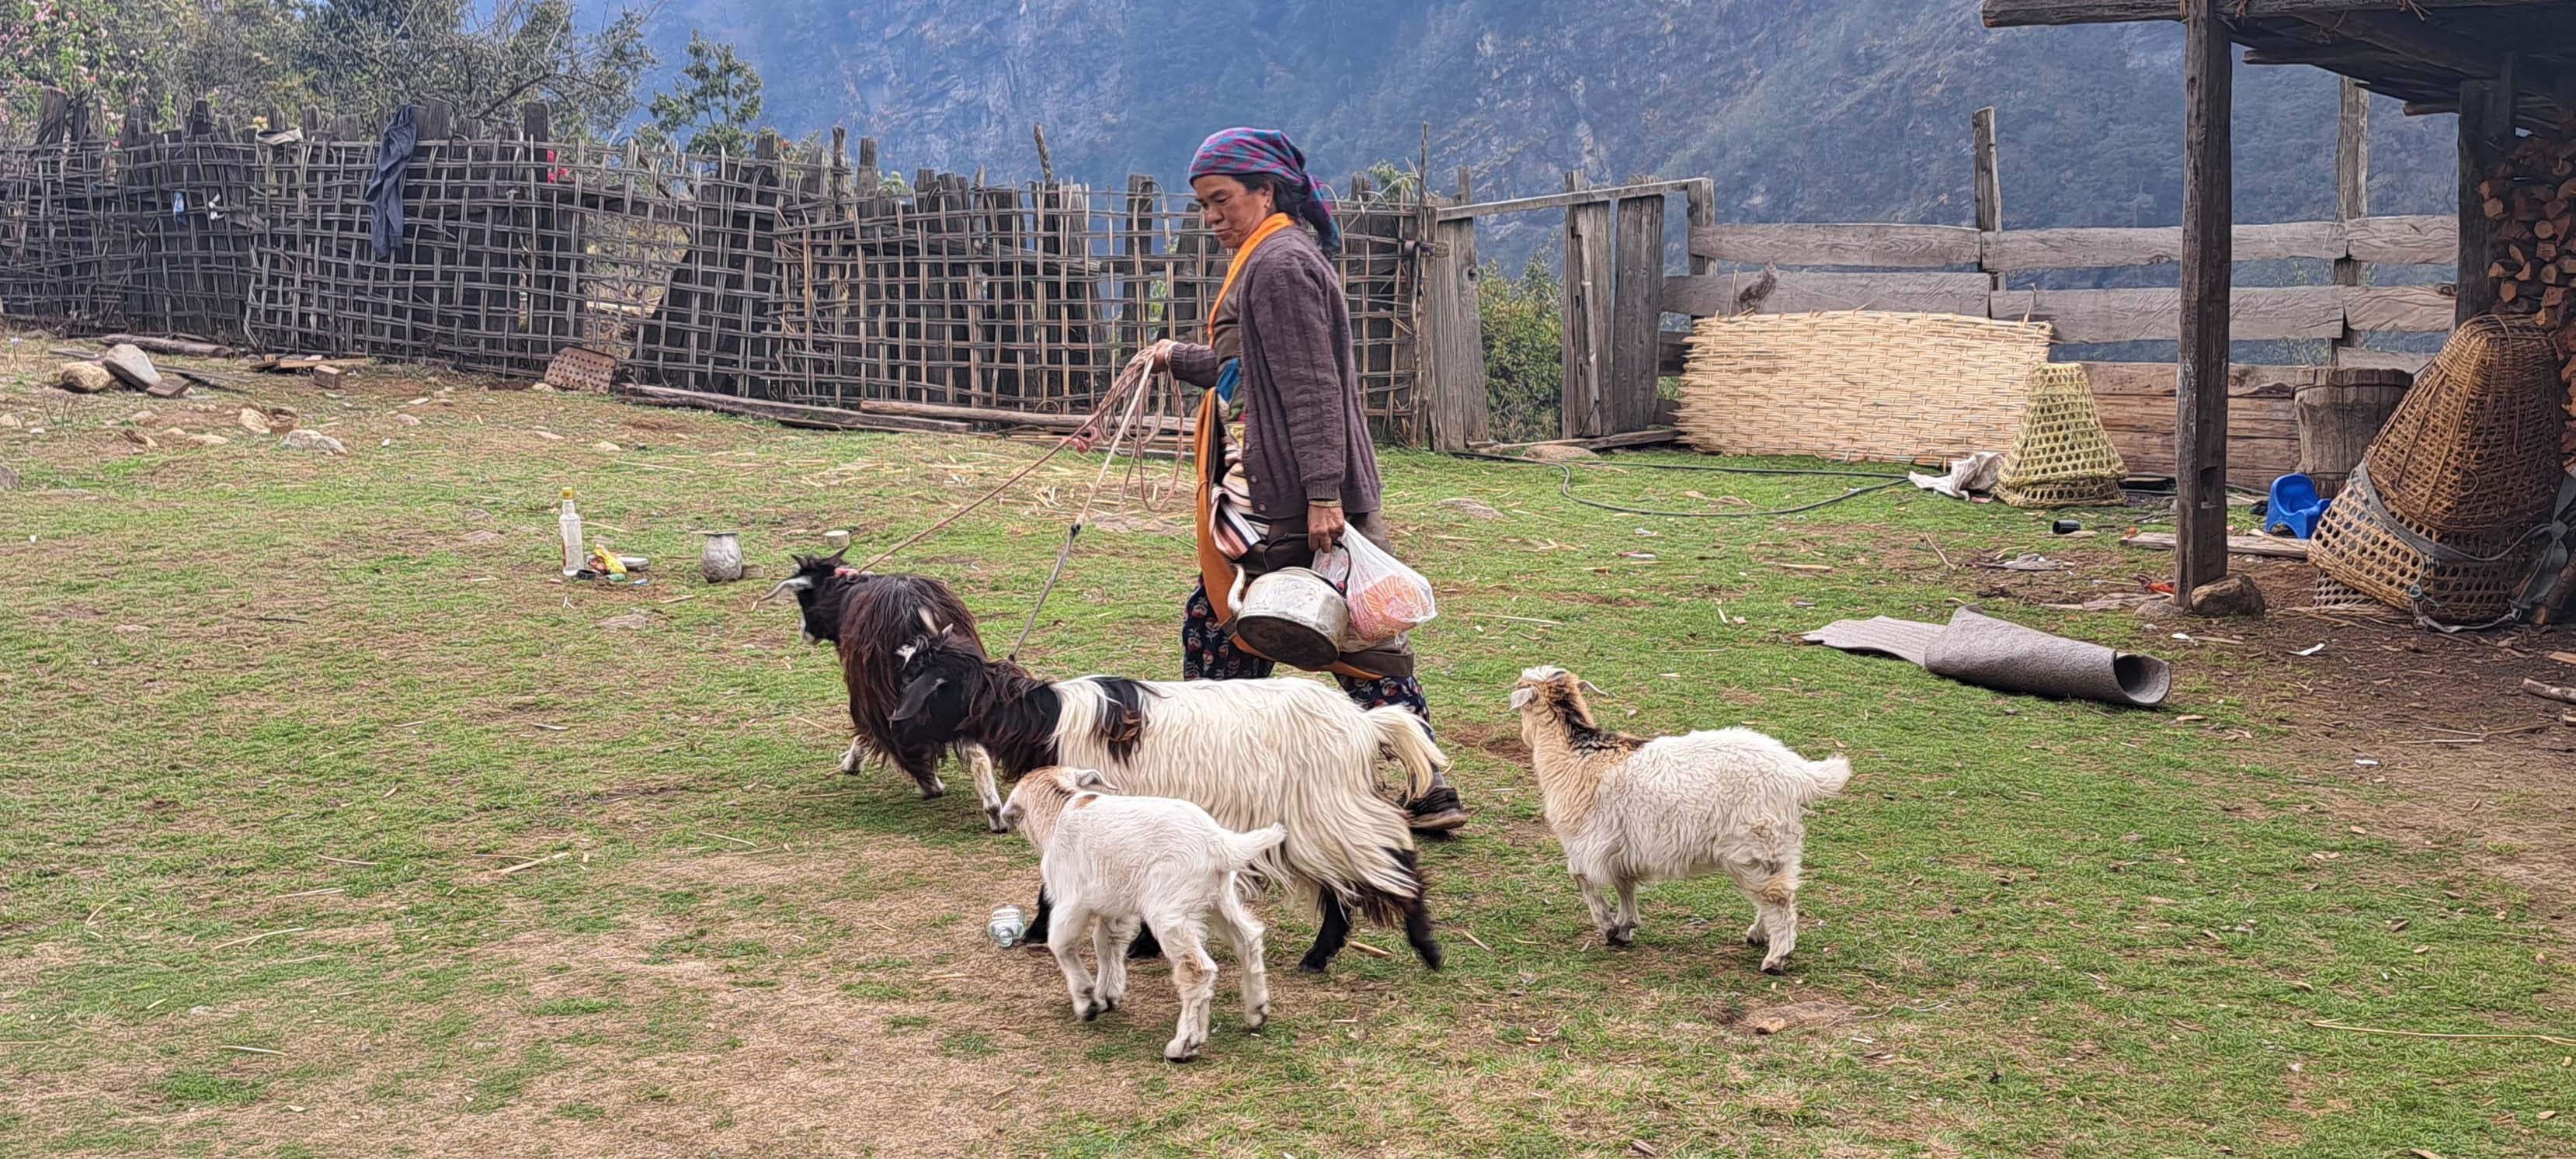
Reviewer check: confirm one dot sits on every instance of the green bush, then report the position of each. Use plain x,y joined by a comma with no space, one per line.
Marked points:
1524,350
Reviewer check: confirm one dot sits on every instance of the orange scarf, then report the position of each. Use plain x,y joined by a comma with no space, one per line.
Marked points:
1215,570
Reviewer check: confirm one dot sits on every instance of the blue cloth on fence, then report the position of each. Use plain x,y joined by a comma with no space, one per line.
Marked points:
384,187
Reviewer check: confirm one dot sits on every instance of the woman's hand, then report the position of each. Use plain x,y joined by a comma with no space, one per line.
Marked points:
1159,355
1324,524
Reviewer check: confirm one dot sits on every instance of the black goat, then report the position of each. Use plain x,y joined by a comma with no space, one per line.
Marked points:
870,618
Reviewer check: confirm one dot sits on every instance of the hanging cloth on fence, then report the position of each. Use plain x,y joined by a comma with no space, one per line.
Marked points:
384,187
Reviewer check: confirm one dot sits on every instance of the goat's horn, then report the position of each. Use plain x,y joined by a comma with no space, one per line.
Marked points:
783,585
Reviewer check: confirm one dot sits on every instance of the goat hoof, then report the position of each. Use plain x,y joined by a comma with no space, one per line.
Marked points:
993,820
933,790
1311,967
1775,967
1179,1052
1621,936
1257,1019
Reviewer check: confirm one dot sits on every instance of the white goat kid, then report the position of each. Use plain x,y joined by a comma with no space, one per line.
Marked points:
1630,809
1111,863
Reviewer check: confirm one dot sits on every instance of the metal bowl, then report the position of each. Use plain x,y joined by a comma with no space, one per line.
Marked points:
1293,616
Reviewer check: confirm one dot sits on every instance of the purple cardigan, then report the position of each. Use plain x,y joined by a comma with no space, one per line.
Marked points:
1306,440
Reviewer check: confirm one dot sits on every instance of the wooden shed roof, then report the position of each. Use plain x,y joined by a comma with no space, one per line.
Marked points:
2419,51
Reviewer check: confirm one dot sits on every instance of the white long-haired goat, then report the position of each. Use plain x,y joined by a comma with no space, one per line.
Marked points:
1113,863
1250,752
1629,809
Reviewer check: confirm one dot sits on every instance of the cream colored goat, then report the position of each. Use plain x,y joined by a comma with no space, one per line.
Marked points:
1111,863
1631,809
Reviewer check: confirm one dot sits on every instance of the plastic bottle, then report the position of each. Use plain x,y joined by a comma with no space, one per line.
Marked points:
1006,926
575,556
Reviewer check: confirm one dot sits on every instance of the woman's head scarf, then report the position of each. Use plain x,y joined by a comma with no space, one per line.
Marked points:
1239,152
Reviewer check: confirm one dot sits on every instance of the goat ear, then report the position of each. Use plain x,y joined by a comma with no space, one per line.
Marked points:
1091,779
1522,696
916,695
1589,688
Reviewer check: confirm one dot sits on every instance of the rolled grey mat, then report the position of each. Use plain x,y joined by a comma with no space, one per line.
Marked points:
1998,654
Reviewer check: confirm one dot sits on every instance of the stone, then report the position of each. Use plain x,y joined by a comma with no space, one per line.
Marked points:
208,440
605,447
629,621
11,421
1557,453
253,421
128,362
312,440
407,420
86,377
548,436
483,536
139,439
2233,595
1470,507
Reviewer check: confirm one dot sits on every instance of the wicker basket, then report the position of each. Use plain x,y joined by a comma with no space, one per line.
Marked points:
2371,550
2473,448
1857,384
2061,456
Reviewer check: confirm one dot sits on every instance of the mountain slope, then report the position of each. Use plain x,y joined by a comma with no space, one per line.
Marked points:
1801,109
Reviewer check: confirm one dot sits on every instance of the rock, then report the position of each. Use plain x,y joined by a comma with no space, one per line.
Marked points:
140,417
2233,595
128,362
543,388
86,377
253,421
139,439
605,447
281,418
8,479
548,436
631,620
10,421
329,375
1470,507
484,536
407,420
1556,453
208,440
311,440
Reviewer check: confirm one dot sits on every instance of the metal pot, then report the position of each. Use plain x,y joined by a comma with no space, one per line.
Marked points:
1292,615
720,559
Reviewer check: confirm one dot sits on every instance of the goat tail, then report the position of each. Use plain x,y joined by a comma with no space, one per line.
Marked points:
1246,848
1825,778
1405,735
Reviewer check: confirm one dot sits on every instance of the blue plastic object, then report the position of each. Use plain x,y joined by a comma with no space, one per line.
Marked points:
2295,507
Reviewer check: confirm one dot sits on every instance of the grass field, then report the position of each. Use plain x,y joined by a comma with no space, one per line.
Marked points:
332,823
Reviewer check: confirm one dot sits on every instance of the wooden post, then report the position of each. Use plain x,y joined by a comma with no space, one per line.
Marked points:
1990,184
2208,256
1700,203
1637,312
2352,194
1455,334
1583,404
2486,135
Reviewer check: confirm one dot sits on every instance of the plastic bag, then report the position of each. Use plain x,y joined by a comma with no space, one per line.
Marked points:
1386,598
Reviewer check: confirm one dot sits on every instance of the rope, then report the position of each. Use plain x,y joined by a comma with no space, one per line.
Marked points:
1073,531
1128,380
1565,485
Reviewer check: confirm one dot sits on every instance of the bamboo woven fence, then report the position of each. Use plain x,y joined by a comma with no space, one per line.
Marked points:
779,276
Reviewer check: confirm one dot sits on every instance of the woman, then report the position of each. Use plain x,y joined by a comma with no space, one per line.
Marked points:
1279,348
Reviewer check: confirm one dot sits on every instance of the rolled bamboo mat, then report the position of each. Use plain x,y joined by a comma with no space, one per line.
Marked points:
1857,384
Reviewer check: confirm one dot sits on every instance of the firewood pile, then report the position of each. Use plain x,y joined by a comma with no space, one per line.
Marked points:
2532,200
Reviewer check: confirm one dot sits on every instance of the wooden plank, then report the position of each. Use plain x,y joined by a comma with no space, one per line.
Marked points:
1839,244
2262,545
1584,399
2417,309
2260,312
2075,249
2157,380
1585,196
2361,359
1637,311
2427,239
2208,217
1700,202
1801,292
792,414
1455,338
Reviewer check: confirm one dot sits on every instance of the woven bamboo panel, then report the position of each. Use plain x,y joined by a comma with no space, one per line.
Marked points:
2473,448
1857,384
2356,544
2061,456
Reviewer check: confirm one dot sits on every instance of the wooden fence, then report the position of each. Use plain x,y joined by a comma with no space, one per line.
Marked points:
800,278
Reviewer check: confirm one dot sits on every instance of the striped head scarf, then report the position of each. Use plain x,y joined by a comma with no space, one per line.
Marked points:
1240,151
